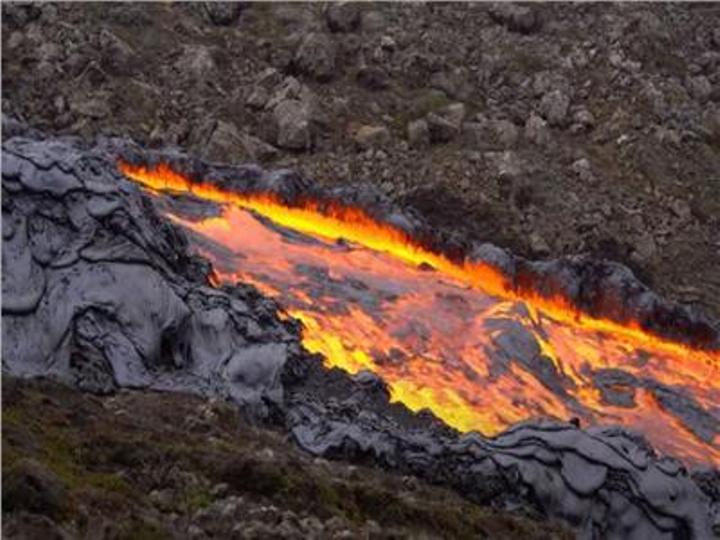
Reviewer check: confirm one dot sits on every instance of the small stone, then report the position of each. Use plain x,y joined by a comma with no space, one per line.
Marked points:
582,169
264,84
223,13
387,43
219,490
445,124
293,125
584,118
372,78
372,137
506,133
522,19
195,532
554,107
162,498
343,16
645,248
538,245
700,88
196,62
334,524
681,209
418,134
536,130
93,107
373,21
311,524
15,40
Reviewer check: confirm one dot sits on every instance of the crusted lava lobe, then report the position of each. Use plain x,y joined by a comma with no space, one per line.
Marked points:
101,292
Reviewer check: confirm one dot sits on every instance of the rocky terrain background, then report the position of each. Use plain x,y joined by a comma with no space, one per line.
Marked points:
549,129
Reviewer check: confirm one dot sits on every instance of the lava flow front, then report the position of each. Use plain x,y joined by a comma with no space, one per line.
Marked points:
447,336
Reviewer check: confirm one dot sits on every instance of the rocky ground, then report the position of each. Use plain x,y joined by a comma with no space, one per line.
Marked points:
550,129
151,465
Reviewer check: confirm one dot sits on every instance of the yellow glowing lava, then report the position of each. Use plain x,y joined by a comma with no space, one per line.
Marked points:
446,367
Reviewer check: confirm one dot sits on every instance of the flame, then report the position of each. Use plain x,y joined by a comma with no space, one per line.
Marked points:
449,339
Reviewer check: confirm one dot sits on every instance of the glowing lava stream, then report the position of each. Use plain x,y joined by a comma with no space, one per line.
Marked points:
456,340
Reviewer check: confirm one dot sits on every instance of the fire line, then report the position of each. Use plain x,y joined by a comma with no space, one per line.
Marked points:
354,337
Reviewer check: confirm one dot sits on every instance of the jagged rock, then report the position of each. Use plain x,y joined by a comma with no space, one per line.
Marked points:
265,83
445,124
418,133
554,107
316,57
372,137
343,16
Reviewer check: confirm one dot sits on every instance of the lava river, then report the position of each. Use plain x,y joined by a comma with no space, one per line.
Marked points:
446,336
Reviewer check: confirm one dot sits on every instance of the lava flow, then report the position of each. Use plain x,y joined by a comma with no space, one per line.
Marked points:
451,337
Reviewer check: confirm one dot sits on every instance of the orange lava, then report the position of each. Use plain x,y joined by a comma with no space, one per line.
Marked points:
452,339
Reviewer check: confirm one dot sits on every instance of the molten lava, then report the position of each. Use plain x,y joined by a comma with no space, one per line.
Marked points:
451,337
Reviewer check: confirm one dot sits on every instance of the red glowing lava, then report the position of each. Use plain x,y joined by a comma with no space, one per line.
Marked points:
456,339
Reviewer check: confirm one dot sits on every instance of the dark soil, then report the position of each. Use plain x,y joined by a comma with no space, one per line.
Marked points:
168,465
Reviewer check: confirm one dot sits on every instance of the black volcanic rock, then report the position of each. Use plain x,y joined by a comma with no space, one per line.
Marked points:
100,292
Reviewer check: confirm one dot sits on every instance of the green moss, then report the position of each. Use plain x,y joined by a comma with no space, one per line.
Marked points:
527,62
12,416
197,499
107,482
